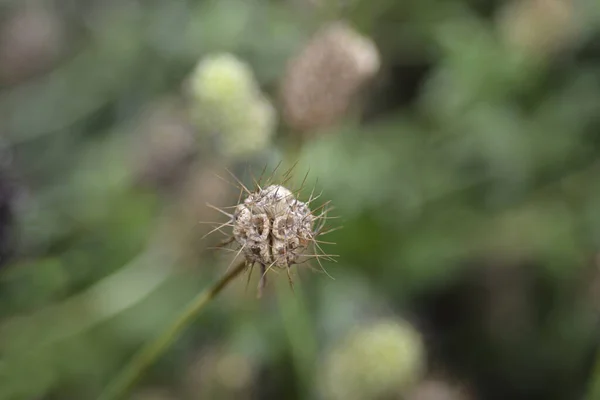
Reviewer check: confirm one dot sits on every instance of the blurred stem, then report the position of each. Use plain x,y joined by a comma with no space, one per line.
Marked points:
149,353
301,338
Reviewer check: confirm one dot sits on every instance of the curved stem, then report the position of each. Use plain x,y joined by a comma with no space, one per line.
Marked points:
150,352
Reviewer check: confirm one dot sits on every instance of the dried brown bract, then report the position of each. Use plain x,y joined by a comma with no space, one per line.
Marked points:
274,229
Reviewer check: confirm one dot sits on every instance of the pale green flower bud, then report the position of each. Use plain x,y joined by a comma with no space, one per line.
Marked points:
226,101
222,78
385,359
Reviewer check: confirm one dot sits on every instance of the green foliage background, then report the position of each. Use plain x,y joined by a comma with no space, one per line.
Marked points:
468,186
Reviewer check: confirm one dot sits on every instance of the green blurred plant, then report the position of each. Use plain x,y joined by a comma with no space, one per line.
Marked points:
150,352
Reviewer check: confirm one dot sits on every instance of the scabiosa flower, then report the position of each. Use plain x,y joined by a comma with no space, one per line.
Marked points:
276,230
382,360
322,80
226,101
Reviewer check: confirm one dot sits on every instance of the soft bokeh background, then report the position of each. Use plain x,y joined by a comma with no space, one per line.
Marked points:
457,140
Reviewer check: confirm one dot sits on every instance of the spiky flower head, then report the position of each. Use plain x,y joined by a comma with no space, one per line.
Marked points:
274,229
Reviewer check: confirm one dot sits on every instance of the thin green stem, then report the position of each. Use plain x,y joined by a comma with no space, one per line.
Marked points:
149,353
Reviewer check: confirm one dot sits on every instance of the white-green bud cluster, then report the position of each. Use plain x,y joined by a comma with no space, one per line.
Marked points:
226,101
382,360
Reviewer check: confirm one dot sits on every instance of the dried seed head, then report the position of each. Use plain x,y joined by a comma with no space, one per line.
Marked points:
274,229
322,80
538,27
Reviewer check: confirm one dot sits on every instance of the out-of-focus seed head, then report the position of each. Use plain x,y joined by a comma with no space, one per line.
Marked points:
274,229
31,41
382,360
322,80
226,101
538,28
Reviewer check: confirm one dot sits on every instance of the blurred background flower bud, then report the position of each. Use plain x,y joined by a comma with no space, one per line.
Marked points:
31,41
439,389
165,143
226,101
374,362
538,28
322,80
